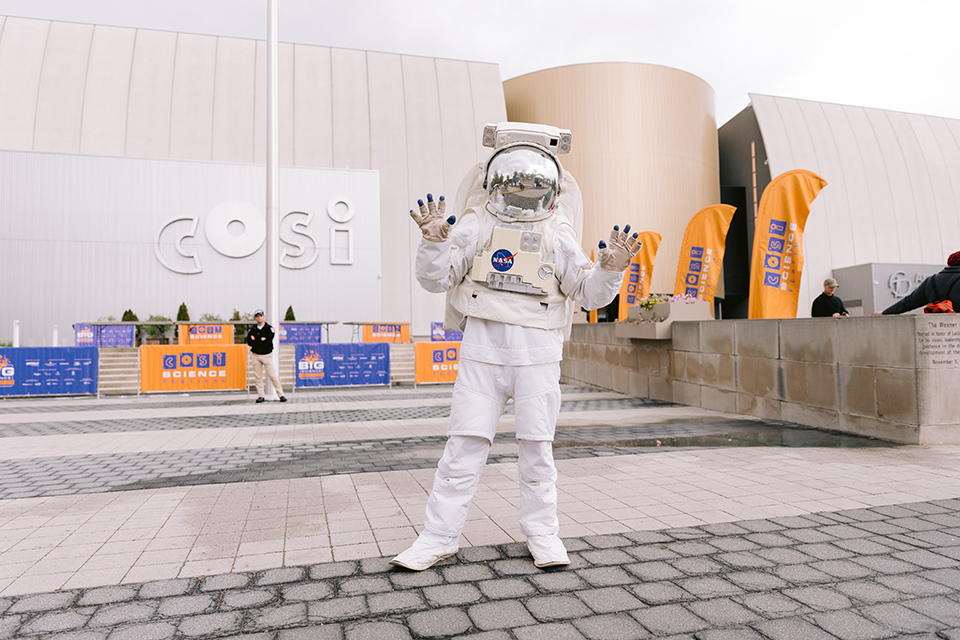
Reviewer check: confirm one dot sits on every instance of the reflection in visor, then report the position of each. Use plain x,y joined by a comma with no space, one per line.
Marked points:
523,182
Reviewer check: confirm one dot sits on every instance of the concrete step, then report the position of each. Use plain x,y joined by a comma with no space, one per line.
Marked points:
118,371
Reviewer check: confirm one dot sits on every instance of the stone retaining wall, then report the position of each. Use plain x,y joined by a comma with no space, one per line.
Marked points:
893,377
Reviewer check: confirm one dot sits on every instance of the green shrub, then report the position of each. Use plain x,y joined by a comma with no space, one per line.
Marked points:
290,317
239,330
182,314
156,331
129,316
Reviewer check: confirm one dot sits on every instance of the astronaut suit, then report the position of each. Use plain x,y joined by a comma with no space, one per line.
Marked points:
513,271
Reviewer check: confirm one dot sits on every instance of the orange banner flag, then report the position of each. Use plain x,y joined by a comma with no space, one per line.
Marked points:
592,315
636,280
701,255
778,243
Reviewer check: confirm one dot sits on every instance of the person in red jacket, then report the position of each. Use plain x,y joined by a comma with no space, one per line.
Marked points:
940,286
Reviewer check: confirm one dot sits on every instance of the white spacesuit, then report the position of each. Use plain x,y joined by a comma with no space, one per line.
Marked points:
513,271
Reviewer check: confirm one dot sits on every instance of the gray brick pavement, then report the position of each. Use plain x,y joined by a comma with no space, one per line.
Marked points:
84,403
258,417
672,583
69,475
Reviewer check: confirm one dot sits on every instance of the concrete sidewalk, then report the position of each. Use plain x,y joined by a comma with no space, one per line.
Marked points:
209,516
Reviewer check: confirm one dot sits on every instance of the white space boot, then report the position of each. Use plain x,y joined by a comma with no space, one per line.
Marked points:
428,550
547,551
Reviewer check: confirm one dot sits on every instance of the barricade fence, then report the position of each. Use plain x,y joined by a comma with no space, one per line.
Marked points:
437,362
207,360
336,365
29,371
193,367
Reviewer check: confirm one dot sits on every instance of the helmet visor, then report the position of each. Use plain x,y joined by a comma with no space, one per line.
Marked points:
523,182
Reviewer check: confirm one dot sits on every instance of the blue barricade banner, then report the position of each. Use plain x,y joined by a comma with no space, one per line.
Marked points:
28,371
98,335
439,334
300,333
117,336
332,365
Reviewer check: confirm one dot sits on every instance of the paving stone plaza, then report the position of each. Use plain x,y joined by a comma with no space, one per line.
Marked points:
207,516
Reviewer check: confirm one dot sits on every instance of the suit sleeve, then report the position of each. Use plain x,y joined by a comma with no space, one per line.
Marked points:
589,286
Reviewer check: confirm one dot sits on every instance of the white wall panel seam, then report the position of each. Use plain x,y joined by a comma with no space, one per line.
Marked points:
83,93
886,170
36,101
436,85
809,265
473,115
956,199
333,123
784,133
253,110
406,152
953,135
859,151
909,181
173,83
126,117
293,107
926,172
823,204
953,192
213,95
366,66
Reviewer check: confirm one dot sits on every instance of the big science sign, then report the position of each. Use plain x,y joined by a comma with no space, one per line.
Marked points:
337,365
29,371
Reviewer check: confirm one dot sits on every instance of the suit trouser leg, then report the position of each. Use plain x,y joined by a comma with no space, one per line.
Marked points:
537,407
455,484
538,489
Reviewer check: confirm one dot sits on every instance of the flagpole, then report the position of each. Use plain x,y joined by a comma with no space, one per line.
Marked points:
273,199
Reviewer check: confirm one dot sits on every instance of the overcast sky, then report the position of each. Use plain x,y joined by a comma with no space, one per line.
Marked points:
877,53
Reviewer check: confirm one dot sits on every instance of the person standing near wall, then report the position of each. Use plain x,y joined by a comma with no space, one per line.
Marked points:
260,341
828,304
940,286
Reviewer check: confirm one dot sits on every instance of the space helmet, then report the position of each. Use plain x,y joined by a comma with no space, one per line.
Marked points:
523,175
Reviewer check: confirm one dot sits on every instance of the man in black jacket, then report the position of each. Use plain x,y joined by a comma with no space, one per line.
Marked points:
260,340
828,305
940,286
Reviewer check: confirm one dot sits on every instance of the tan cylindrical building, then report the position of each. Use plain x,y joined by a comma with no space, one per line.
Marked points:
644,146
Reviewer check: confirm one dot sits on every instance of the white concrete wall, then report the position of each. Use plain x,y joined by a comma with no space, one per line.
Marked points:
86,249
73,88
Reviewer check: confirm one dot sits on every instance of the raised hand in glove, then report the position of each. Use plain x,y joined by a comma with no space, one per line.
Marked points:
616,255
430,219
